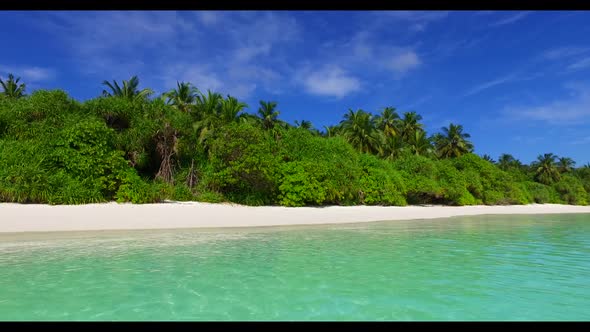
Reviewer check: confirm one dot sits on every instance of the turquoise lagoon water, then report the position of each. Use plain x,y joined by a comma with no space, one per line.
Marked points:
467,268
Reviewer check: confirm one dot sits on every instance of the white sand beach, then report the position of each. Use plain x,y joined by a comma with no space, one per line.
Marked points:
113,216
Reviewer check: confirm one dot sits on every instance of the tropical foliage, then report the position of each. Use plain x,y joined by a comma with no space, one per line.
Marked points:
129,89
453,142
183,97
11,87
127,146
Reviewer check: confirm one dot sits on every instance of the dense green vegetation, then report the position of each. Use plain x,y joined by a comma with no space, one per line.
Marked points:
130,146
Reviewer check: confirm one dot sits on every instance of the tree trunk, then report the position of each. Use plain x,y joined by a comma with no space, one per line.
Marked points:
166,147
192,176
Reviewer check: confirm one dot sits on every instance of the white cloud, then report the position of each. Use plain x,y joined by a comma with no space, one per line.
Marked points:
366,52
248,53
563,52
363,53
37,74
103,31
208,18
330,81
403,62
28,74
489,84
416,16
257,34
357,49
244,79
449,44
235,79
510,19
230,52
418,27
513,77
163,47
581,64
417,21
572,110
204,78
116,43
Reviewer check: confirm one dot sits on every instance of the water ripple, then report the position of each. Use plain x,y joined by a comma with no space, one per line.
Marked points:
468,268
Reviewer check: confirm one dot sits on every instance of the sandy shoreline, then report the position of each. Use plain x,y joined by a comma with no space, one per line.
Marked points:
16,218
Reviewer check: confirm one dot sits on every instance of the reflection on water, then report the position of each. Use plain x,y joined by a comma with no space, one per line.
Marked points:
463,268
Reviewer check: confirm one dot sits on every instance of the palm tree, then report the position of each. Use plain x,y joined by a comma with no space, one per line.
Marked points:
437,140
304,124
230,109
488,158
129,90
419,144
307,125
388,121
213,112
249,119
546,171
359,129
330,131
409,125
506,161
11,88
208,105
216,112
183,97
267,113
391,147
208,109
453,142
565,164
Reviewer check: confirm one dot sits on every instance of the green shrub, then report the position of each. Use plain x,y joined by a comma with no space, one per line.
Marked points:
37,116
473,184
117,113
182,193
453,185
243,166
517,193
571,190
68,190
210,197
27,176
23,178
380,184
55,150
135,190
298,187
332,161
54,105
85,151
419,176
541,193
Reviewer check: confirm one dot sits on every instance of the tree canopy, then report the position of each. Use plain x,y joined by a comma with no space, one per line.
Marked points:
128,146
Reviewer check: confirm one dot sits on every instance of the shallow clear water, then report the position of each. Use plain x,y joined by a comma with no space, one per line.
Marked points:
468,268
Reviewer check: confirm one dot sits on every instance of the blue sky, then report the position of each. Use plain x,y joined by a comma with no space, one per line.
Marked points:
517,81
